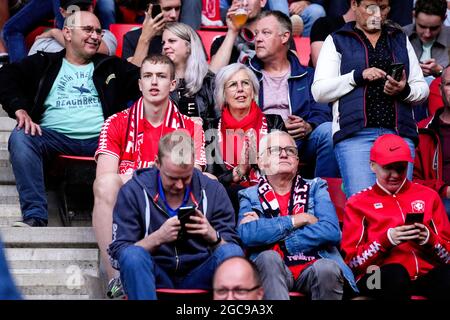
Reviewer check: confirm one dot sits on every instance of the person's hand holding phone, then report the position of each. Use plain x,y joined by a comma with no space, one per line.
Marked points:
153,23
404,233
168,232
430,67
199,225
373,74
393,87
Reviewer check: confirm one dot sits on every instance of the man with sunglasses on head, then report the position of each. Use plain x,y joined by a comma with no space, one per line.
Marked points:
429,37
53,40
288,226
60,101
397,230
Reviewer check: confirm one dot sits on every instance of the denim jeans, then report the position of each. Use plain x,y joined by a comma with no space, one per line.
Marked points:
8,290
141,276
106,12
447,206
322,280
28,155
353,157
23,22
318,148
311,13
191,13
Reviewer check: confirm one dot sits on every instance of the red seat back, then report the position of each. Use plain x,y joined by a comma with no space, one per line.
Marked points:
303,48
119,30
337,196
208,36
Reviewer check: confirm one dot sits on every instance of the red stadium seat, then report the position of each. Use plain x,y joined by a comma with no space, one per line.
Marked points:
337,196
303,48
208,36
183,294
119,30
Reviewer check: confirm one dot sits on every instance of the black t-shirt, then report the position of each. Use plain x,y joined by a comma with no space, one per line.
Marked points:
216,45
324,26
130,41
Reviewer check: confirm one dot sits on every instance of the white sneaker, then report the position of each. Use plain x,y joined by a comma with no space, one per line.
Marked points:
297,25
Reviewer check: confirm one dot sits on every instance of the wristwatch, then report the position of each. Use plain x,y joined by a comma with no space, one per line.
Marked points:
219,239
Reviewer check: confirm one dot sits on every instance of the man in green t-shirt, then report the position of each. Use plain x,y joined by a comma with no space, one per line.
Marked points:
60,101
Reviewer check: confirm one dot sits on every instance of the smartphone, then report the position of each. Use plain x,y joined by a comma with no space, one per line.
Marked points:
412,217
184,214
396,71
156,9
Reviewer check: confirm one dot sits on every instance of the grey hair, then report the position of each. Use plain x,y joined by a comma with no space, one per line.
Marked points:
223,75
283,20
196,64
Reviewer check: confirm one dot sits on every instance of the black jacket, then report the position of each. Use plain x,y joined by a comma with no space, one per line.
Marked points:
218,168
26,85
204,100
131,39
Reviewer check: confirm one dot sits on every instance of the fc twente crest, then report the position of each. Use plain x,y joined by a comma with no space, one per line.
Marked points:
418,206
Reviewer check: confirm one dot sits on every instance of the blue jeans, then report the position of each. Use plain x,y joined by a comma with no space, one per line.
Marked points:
8,290
191,13
106,12
318,148
447,206
23,22
353,157
141,276
311,13
28,154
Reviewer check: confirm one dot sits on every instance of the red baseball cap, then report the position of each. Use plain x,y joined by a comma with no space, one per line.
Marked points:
390,148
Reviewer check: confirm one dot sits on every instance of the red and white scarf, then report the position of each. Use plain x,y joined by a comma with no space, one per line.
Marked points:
135,129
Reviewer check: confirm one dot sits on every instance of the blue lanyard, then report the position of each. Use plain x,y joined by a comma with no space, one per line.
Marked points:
172,212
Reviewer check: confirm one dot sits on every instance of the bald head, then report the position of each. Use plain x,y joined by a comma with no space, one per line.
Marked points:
82,37
237,279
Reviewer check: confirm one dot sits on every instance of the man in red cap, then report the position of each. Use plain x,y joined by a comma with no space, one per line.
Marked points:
396,234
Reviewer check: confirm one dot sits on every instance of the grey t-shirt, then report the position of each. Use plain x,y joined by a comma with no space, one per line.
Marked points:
276,94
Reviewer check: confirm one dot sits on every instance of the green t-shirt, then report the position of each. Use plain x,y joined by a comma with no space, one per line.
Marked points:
73,107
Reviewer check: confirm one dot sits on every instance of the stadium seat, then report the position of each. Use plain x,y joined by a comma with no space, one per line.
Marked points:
183,294
73,178
208,36
303,48
119,30
337,196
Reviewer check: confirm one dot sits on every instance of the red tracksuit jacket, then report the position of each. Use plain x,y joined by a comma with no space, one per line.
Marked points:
370,213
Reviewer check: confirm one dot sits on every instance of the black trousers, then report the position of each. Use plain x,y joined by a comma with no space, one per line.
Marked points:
395,284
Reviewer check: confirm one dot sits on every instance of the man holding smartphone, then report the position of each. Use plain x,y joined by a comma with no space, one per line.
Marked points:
146,247
380,230
429,37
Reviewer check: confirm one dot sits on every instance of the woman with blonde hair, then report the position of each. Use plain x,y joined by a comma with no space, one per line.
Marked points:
195,83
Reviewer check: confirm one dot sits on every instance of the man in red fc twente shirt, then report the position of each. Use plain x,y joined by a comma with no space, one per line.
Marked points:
396,234
129,141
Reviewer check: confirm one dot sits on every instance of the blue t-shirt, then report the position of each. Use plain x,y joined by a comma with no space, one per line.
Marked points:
73,107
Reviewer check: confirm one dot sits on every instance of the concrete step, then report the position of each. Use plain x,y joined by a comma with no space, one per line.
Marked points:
4,136
9,213
6,172
51,284
6,123
48,237
43,260
8,194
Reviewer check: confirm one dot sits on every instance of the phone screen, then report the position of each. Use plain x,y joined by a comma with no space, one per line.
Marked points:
396,71
413,217
184,214
156,9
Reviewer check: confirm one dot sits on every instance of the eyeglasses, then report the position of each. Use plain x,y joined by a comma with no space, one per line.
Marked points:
236,292
374,8
290,151
90,30
233,85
